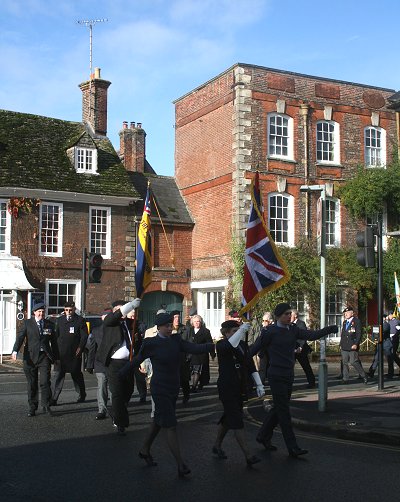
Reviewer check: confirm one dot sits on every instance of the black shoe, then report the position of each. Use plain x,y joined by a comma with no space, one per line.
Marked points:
121,430
148,459
219,452
389,377
344,382
252,460
267,444
81,399
183,471
31,413
101,415
370,374
296,452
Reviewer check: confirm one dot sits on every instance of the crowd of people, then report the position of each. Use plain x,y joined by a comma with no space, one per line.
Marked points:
171,357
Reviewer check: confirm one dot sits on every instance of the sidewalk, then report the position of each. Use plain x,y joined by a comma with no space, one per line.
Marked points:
356,411
10,366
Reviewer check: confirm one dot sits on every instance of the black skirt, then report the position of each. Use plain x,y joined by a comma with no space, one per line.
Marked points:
164,414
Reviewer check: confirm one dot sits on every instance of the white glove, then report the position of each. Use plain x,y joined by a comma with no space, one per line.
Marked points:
240,334
134,304
259,386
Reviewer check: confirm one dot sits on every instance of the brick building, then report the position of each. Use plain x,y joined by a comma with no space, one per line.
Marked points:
296,130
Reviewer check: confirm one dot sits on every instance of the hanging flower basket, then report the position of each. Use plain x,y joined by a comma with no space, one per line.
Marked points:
17,205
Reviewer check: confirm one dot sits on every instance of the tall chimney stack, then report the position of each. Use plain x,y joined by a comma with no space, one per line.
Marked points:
133,146
94,102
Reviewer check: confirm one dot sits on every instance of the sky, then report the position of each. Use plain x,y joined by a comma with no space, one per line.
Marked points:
155,51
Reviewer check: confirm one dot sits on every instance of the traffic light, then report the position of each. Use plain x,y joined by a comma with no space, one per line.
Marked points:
95,262
366,241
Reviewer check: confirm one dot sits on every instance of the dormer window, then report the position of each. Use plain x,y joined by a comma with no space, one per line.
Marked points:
86,160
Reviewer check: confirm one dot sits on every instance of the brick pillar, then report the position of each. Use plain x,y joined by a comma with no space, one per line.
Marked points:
94,103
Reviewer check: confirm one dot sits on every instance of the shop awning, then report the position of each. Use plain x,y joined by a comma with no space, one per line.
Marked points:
12,274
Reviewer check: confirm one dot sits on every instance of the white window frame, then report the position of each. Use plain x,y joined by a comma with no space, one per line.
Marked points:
289,219
81,163
335,316
60,228
282,137
7,229
75,298
107,253
335,222
213,317
373,151
335,142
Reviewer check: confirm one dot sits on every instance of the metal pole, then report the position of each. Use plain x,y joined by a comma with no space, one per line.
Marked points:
380,305
83,297
323,369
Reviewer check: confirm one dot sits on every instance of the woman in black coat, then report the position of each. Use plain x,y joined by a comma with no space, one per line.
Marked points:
235,365
200,363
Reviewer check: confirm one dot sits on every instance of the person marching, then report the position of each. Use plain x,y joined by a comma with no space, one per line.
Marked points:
280,342
164,351
40,352
234,363
350,345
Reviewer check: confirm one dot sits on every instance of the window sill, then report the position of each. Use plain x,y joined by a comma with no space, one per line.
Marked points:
328,164
283,159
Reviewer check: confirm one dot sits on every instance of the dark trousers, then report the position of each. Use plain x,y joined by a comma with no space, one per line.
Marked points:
121,391
141,385
302,358
185,378
279,413
35,374
77,378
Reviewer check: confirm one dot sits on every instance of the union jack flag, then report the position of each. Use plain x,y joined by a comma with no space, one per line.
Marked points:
264,268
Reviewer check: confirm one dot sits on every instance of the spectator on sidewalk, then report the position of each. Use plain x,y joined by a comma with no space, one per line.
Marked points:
350,344
387,349
394,337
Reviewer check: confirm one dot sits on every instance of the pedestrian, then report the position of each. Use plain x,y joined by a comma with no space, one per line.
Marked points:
303,350
71,335
200,363
261,359
40,352
350,339
164,351
280,341
387,349
394,338
180,329
114,352
100,370
234,367
137,331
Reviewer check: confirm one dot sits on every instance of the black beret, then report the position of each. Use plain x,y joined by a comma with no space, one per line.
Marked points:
230,324
281,308
162,319
116,303
175,312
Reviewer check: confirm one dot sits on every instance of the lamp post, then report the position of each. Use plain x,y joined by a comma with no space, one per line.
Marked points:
321,240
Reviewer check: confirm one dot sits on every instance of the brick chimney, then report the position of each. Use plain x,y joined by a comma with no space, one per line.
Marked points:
94,102
133,146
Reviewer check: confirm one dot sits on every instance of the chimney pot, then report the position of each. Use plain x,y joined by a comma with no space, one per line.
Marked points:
97,72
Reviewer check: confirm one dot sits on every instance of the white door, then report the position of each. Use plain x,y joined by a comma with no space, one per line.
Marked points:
8,312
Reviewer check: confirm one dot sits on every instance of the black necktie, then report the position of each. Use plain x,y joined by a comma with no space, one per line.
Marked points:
126,335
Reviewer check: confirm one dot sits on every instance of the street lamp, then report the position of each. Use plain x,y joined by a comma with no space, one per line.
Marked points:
321,239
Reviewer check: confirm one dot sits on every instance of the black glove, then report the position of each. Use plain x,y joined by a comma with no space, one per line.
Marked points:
89,370
332,329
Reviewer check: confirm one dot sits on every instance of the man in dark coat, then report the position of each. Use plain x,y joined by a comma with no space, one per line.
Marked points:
71,335
114,353
302,351
39,352
350,339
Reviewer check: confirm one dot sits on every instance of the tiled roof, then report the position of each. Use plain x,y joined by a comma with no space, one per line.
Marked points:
33,154
170,203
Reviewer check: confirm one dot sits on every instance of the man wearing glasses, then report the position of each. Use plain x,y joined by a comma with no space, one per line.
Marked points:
71,336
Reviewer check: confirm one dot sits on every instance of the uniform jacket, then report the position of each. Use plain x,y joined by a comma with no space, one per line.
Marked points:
70,335
113,337
351,335
33,341
94,344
